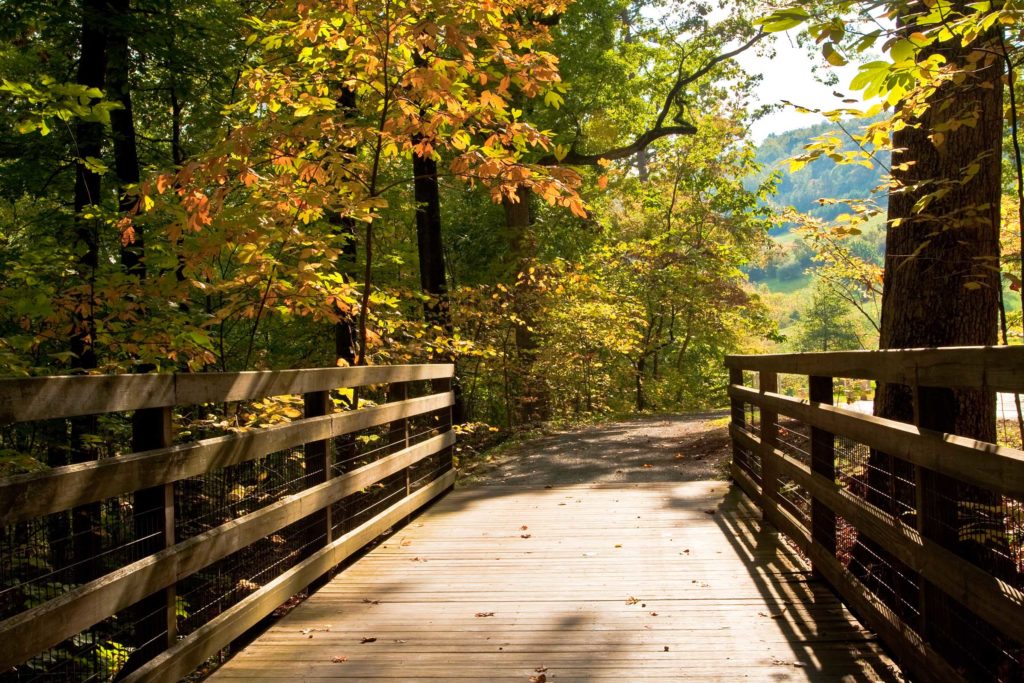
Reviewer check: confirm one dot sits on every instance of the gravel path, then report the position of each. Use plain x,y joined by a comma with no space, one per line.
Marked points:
665,448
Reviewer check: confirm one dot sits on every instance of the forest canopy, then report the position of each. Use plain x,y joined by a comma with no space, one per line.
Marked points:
549,194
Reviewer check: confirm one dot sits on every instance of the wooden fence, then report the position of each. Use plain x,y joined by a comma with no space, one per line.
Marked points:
870,501
297,520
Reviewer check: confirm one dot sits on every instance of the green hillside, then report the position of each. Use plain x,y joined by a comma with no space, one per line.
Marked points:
822,178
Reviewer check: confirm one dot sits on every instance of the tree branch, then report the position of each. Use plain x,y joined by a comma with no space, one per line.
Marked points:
659,129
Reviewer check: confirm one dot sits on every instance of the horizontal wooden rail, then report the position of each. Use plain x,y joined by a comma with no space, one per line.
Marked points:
996,467
994,600
44,398
56,620
61,488
180,660
948,580
145,481
999,368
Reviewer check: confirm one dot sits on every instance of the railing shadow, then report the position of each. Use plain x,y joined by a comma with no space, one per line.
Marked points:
799,604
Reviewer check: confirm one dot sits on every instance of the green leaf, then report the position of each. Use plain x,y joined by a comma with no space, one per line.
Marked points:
783,19
832,56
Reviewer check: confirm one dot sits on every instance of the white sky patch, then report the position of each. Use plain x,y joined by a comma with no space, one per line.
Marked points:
788,76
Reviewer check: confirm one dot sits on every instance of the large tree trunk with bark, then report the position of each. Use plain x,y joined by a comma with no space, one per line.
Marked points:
941,288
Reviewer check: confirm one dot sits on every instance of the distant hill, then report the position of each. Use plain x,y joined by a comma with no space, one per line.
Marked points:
821,178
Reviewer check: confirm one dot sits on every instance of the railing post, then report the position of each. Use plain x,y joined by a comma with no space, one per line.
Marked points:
154,521
318,463
768,382
736,410
439,386
398,431
823,463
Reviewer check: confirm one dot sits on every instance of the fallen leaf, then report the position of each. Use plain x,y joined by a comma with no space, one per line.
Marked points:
541,669
338,659
523,528
368,601
647,465
632,601
679,456
618,545
485,614
525,535
368,639
539,678
406,542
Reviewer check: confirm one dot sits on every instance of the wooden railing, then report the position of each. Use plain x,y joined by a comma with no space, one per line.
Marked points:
948,609
293,514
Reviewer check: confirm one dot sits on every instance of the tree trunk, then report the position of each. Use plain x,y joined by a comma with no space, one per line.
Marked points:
430,245
88,142
941,288
640,368
534,401
122,127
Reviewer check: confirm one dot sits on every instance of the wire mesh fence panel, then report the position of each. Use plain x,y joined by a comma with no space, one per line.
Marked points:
924,521
235,487
794,498
793,438
749,460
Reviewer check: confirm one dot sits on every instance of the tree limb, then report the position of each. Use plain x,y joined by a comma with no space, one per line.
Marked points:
658,130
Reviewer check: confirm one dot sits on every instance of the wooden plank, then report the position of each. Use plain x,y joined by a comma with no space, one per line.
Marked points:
183,658
44,398
27,496
41,627
768,382
997,368
992,599
679,581
156,618
823,462
984,464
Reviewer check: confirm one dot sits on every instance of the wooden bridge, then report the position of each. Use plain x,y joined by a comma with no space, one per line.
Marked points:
155,553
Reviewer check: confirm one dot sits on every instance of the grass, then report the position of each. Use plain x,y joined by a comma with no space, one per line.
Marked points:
777,286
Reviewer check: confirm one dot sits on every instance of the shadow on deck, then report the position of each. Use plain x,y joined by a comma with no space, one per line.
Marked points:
624,582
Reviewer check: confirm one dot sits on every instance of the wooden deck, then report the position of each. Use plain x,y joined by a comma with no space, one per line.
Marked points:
631,582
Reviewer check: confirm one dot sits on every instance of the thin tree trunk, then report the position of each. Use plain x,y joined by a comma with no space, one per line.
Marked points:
430,245
92,66
122,126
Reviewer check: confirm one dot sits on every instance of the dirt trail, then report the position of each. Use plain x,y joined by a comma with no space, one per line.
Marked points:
663,448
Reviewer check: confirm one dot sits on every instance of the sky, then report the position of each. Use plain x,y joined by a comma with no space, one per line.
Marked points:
788,76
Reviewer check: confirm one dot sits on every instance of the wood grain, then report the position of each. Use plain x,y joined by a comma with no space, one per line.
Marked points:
998,368
26,496
43,398
605,582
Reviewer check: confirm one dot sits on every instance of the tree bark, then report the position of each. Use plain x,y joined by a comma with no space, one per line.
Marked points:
122,127
430,249
88,142
534,402
941,288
